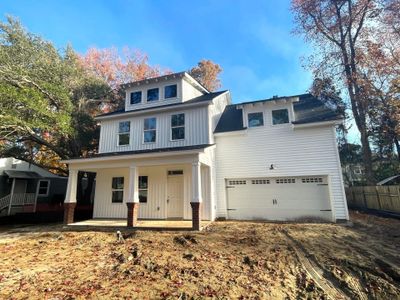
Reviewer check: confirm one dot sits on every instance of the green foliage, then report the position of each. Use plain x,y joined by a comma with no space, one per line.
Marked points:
33,96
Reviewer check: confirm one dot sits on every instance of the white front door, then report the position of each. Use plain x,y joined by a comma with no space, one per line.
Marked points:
175,196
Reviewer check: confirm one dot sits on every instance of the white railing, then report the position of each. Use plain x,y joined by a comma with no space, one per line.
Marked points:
22,199
5,201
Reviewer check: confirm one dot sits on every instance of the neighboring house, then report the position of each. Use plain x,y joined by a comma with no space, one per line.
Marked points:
180,151
353,174
25,187
392,180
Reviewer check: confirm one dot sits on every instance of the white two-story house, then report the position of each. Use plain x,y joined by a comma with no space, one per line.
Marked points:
178,151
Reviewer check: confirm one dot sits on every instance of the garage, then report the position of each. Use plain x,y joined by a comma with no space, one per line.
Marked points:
283,198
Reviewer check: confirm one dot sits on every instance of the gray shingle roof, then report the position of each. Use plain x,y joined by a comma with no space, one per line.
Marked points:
201,99
308,109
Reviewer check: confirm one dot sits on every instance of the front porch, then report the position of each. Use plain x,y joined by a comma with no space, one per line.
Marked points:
146,191
121,224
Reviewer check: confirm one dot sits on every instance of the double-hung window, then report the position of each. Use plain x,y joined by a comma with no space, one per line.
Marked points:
124,133
143,188
255,119
43,189
149,133
178,127
117,188
280,116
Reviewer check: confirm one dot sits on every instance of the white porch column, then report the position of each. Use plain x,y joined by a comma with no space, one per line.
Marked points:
133,184
196,182
70,197
133,196
196,198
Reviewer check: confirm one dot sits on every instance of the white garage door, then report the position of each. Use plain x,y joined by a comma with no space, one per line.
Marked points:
286,198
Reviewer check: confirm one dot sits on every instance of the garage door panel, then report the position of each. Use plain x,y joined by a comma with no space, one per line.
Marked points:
278,198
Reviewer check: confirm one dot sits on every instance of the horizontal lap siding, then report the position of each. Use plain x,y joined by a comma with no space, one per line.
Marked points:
196,131
310,151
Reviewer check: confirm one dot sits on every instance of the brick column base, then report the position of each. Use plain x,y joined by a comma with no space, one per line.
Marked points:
69,209
133,209
196,218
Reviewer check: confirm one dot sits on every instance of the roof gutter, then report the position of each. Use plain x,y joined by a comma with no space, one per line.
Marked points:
155,109
134,156
317,124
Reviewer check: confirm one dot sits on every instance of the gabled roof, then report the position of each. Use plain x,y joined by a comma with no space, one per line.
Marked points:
184,75
201,99
308,109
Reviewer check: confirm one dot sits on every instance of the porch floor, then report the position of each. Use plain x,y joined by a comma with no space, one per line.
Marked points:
112,224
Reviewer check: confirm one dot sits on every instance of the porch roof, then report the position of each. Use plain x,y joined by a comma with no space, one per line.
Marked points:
140,153
22,174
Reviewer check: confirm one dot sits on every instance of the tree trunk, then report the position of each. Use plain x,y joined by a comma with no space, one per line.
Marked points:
367,157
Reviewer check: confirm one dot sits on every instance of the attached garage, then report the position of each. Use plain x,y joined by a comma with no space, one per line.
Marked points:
283,198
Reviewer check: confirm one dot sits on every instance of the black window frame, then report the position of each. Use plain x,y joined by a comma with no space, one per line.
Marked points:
166,96
152,90
177,126
124,133
143,190
145,130
249,115
117,189
286,121
132,102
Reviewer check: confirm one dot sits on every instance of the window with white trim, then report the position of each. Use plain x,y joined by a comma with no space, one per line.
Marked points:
149,132
170,91
43,188
312,180
117,188
260,181
124,133
255,119
237,182
143,188
136,97
152,94
178,127
280,116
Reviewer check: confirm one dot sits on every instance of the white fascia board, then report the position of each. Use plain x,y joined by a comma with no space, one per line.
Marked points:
231,133
133,156
152,110
317,124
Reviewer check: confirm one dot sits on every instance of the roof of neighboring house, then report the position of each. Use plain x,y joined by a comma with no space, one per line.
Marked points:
388,180
200,99
22,174
156,150
308,109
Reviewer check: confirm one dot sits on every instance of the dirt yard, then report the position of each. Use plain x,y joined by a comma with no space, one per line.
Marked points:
230,260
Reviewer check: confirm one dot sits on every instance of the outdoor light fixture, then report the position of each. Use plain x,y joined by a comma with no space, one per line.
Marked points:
272,167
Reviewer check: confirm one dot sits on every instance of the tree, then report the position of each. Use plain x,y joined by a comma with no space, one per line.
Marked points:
339,31
207,73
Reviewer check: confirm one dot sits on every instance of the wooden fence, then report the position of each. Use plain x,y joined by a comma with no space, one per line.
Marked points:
385,198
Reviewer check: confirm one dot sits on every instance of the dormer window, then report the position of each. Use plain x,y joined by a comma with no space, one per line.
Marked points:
149,133
152,94
124,133
280,116
136,97
255,119
170,91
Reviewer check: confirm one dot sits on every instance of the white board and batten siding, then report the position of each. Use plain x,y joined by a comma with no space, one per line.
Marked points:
215,111
299,152
156,206
196,131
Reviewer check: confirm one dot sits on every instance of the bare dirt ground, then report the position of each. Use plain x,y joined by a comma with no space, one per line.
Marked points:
230,260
